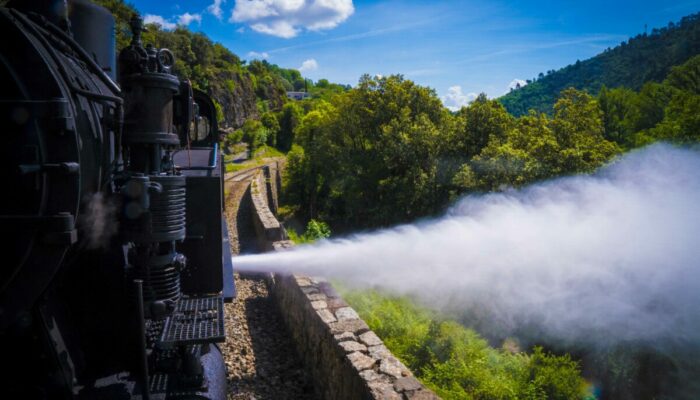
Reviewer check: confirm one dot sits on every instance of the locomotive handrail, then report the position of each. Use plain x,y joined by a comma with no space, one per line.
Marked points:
214,156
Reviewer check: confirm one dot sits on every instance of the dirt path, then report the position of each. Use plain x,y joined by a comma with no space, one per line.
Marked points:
261,360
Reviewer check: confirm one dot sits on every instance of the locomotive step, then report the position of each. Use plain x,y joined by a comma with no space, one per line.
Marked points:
195,320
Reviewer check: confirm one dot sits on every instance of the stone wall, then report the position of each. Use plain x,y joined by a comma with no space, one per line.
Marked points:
273,182
267,228
346,359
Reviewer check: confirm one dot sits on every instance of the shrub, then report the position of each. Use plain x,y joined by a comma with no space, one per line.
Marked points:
315,230
457,363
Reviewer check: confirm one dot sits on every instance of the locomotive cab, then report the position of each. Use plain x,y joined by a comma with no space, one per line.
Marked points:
207,242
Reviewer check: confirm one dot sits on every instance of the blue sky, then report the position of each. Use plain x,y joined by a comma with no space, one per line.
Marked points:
459,48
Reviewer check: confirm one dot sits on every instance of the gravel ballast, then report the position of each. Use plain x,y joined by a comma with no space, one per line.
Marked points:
260,356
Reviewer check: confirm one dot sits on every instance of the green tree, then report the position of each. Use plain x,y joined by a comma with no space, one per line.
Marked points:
617,106
373,152
294,182
578,128
316,230
681,119
288,118
483,119
254,134
649,106
686,77
269,121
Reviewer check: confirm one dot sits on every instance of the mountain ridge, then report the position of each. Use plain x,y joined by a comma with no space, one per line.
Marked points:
642,58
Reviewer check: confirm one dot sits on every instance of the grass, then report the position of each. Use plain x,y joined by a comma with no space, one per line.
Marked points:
456,363
267,152
260,157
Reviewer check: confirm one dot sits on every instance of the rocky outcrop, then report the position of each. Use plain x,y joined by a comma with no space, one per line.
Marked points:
270,89
238,96
234,91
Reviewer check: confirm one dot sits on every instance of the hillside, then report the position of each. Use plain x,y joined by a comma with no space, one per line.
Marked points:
242,90
644,58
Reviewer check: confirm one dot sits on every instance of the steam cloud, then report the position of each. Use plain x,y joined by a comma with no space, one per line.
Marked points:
613,256
99,221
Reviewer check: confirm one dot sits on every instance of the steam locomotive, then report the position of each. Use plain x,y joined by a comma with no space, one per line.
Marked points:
116,262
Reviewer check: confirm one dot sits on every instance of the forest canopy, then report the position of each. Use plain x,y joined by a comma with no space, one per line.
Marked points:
387,151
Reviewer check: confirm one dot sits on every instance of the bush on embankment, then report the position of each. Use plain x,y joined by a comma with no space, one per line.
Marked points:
457,363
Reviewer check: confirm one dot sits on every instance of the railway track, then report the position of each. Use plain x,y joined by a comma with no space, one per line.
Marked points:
247,173
260,356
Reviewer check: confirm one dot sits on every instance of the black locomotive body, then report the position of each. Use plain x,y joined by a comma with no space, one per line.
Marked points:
115,255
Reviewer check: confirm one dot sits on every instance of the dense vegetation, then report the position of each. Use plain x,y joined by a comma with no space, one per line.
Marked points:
242,90
644,58
387,151
457,363
315,230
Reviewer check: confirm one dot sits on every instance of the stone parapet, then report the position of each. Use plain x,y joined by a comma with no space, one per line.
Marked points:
345,358
267,228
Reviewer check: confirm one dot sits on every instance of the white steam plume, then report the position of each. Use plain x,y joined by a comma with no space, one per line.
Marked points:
615,255
98,221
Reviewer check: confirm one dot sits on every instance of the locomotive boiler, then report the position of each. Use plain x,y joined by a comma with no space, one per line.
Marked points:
116,262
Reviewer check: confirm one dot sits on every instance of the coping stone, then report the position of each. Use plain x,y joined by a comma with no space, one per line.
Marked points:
407,383
351,346
392,366
360,361
319,305
378,352
346,313
370,339
356,326
326,316
341,337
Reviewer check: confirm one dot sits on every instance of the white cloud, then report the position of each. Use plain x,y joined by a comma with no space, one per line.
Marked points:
184,19
278,28
515,83
455,99
187,18
308,65
251,10
157,19
260,56
285,18
215,9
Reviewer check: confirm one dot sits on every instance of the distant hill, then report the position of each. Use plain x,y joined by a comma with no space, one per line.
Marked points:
646,57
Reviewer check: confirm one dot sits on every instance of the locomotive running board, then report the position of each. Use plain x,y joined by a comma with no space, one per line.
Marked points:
195,320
